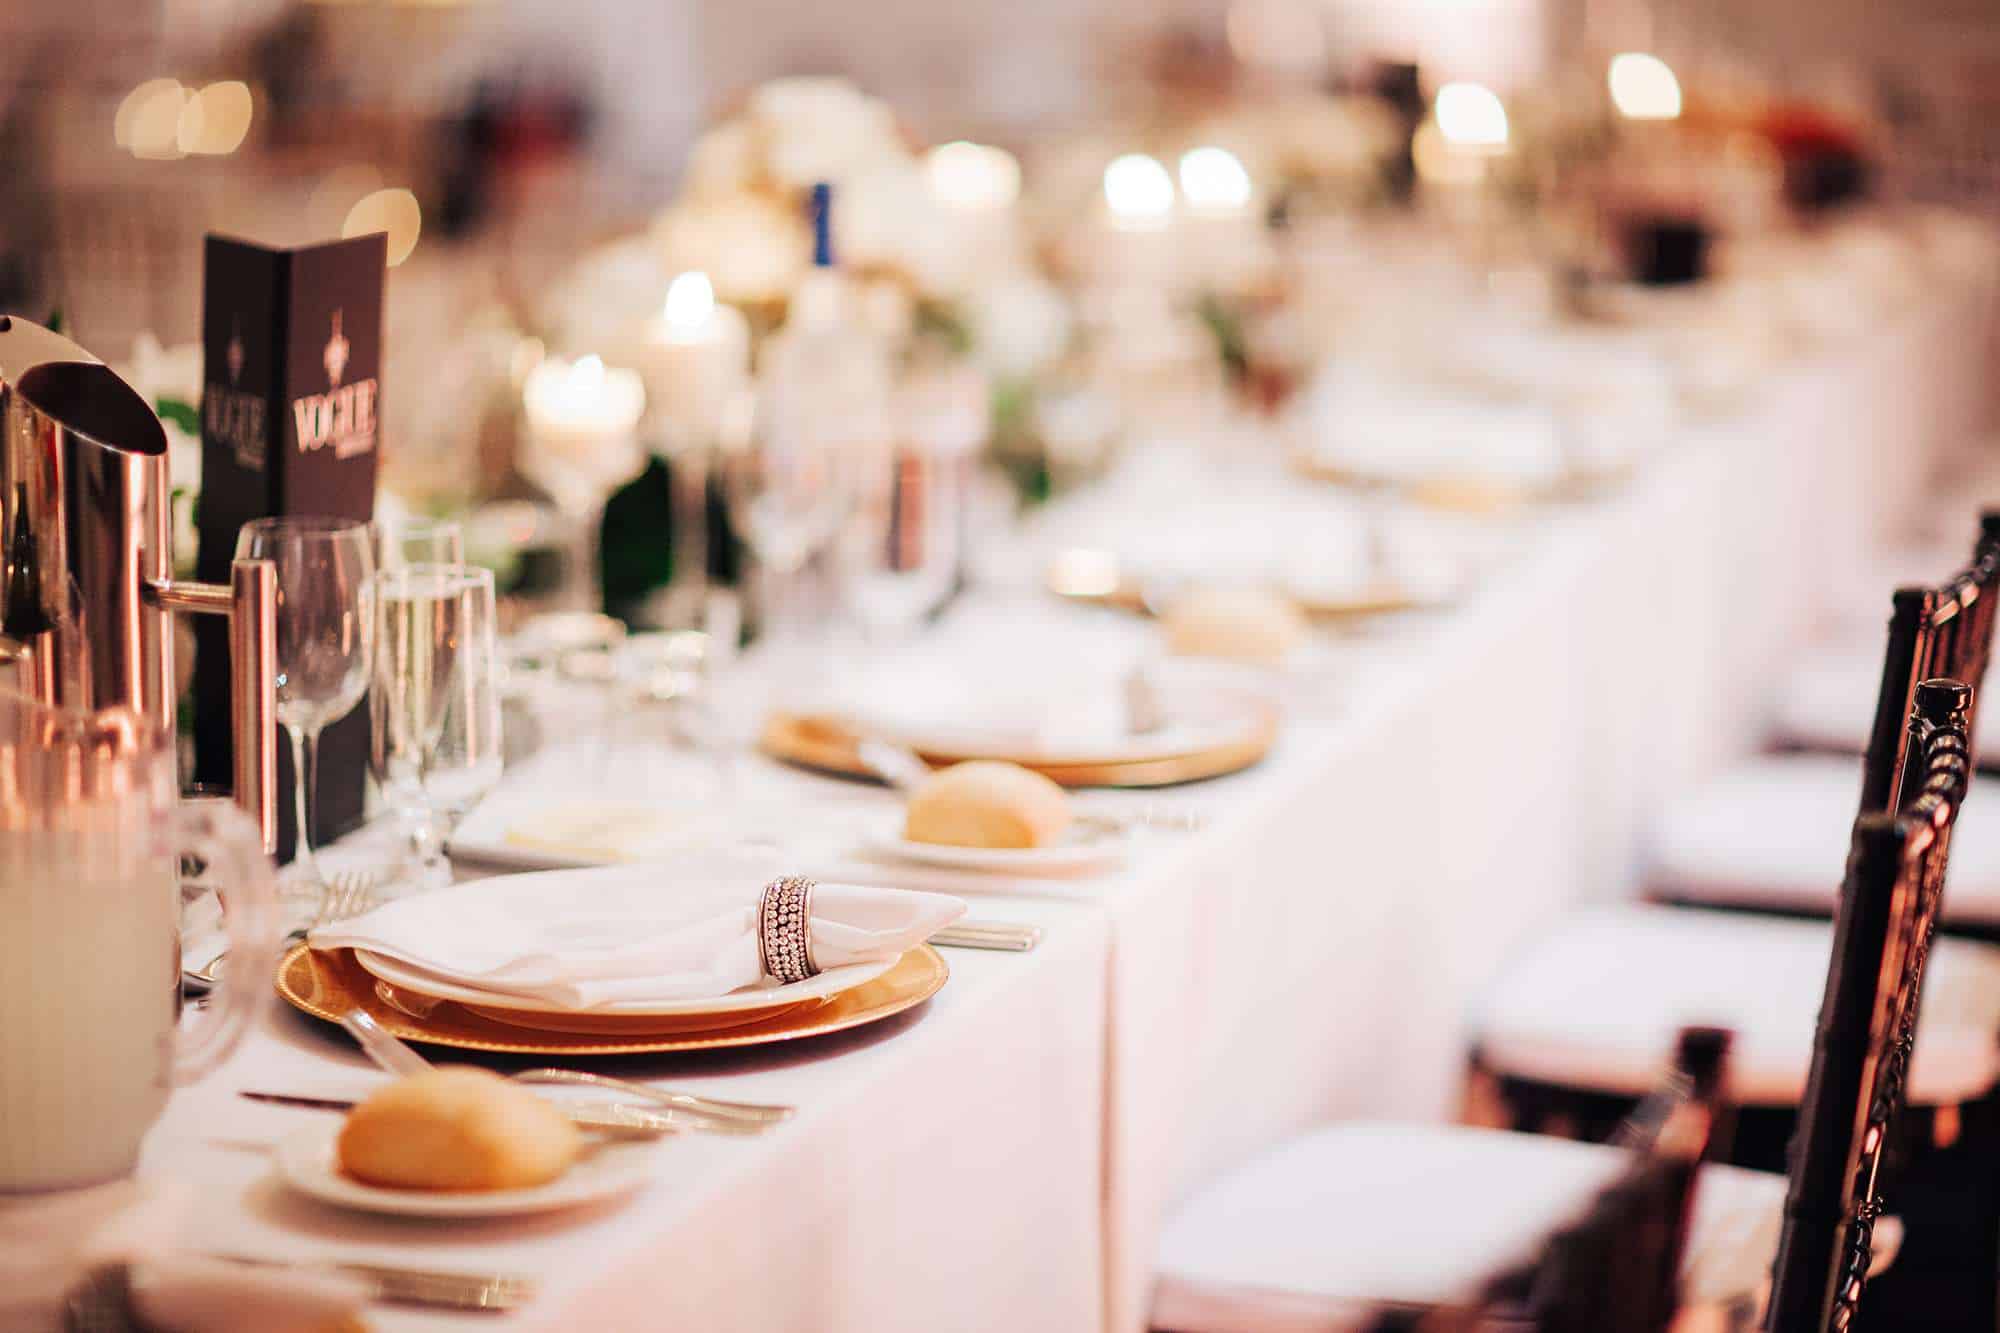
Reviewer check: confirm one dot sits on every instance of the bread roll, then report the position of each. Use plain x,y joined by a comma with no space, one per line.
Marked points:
987,804
1254,625
456,1129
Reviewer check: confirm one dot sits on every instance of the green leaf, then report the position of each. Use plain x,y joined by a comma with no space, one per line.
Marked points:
183,416
55,320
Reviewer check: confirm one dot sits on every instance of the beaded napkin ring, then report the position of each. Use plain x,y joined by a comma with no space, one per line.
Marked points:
784,929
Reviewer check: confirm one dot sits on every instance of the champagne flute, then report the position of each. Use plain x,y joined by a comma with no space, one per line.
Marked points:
325,568
435,707
421,541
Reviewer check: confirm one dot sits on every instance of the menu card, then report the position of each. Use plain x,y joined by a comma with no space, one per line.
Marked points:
290,424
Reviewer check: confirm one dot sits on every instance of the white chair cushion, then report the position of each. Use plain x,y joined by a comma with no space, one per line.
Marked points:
1828,701
1596,1002
1313,1234
1773,832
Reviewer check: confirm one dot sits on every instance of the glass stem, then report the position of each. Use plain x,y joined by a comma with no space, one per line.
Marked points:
305,777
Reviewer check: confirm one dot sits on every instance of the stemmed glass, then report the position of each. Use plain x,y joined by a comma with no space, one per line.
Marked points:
421,541
899,553
435,707
789,488
325,568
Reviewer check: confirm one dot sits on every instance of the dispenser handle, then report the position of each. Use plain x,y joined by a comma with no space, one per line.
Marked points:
251,603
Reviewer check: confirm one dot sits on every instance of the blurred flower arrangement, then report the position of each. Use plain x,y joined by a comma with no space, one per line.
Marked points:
170,379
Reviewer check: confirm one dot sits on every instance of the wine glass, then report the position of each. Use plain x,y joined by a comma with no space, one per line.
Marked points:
421,541
788,486
325,614
899,553
435,708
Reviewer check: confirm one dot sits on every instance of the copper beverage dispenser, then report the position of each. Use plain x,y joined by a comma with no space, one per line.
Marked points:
86,545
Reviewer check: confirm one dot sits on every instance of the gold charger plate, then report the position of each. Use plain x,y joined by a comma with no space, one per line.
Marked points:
328,985
1385,597
825,745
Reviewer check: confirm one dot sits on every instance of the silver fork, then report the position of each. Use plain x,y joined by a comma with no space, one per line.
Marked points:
396,1056
348,894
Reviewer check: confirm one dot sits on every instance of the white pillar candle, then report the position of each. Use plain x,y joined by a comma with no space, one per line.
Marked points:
1131,241
582,435
695,355
976,187
1224,242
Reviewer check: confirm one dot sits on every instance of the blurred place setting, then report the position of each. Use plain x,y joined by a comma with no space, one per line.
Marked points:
1219,667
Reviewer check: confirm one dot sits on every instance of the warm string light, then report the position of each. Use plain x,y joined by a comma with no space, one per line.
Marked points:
164,120
394,211
1643,88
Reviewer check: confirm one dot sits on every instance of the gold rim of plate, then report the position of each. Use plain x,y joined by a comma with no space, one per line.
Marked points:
1384,598
826,746
327,985
1465,493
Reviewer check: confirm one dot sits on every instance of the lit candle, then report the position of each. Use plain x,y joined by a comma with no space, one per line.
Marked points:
1130,241
975,187
1138,194
1226,248
1214,183
695,355
582,428
1455,152
972,178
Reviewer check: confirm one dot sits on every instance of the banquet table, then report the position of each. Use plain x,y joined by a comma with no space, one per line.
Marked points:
1006,1155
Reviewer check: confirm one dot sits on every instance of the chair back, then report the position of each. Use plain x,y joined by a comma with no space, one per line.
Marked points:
1945,632
1616,1268
1867,1023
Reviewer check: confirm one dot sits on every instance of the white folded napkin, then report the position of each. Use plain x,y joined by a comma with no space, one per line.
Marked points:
50,1242
1030,684
587,939
1412,431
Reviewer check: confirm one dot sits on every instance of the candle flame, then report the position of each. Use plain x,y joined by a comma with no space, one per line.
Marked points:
1214,178
1469,115
1138,189
1643,88
690,302
971,176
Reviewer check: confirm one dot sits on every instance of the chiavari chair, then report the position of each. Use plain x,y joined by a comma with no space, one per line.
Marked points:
1705,852
1389,1227
1889,909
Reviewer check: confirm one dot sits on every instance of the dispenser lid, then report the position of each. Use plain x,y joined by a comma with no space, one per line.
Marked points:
68,385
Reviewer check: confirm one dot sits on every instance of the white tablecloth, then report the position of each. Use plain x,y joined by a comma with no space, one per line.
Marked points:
1004,1158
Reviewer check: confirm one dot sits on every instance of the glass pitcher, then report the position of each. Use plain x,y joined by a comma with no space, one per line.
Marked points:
91,1043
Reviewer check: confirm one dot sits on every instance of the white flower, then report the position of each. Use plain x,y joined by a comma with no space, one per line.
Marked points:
822,129
886,218
752,248
157,372
164,372
726,160
1021,324
604,294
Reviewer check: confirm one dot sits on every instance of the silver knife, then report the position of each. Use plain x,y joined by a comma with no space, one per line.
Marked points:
436,1288
603,1117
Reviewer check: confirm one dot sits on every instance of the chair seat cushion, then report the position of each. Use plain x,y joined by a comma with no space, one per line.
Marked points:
1772,832
1828,701
1314,1233
1594,1004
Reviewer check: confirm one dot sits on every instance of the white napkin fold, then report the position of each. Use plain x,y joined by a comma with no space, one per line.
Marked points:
995,682
588,939
49,1242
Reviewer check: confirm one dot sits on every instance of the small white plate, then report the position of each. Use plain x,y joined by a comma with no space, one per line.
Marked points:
308,1163
1081,848
824,986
